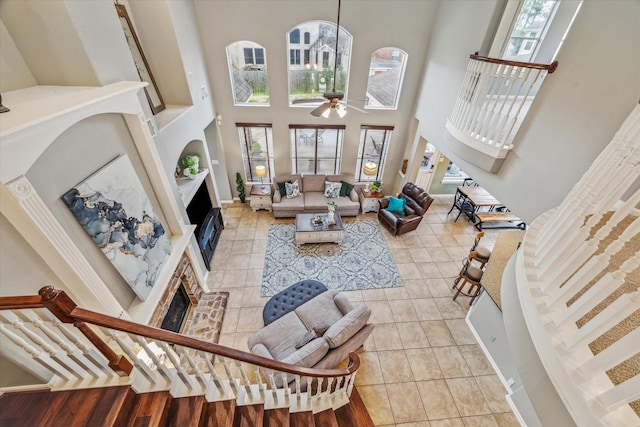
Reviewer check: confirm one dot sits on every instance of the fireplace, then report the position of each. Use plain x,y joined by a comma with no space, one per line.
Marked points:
178,309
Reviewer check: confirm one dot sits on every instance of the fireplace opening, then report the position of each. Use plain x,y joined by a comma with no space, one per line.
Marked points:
178,310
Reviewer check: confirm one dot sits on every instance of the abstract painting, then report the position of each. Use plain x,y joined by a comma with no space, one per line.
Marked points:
113,208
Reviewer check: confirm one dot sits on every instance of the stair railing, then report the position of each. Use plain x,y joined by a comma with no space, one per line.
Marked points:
493,101
100,350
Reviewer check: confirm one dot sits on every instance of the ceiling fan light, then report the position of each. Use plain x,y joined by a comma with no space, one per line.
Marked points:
341,111
326,113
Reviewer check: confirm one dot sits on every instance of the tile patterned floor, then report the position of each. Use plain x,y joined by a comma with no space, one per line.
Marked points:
421,367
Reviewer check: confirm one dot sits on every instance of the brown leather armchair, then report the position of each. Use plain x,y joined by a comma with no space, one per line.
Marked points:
418,201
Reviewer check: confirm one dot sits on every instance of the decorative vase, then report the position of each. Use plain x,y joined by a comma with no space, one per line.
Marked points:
330,218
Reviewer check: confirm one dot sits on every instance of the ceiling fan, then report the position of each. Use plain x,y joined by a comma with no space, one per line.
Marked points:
331,100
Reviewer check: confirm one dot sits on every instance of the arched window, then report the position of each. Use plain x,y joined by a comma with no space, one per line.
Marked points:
311,69
294,36
386,72
248,72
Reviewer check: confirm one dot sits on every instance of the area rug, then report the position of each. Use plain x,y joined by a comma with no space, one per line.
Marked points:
361,261
206,320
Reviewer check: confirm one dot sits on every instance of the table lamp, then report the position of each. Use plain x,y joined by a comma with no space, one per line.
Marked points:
261,171
370,169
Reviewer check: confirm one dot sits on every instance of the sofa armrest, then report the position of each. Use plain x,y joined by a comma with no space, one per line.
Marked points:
343,303
354,195
409,219
276,195
348,326
310,354
260,350
384,202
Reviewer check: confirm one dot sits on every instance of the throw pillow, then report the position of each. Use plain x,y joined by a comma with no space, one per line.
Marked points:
306,338
282,189
396,205
292,189
332,189
346,188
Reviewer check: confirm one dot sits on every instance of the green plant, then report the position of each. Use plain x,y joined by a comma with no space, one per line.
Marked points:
375,186
191,162
240,187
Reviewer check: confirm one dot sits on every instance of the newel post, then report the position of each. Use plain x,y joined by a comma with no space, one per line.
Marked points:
62,306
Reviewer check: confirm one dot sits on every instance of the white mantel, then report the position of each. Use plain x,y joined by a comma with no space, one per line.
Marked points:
38,116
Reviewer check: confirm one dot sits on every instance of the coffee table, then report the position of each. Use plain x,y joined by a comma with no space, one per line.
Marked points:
307,232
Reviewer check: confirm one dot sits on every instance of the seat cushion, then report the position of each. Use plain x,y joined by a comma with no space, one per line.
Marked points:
308,355
474,273
316,202
295,203
348,326
482,252
280,337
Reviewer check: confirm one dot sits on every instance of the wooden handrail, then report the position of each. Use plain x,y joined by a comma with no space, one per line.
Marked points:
63,307
549,67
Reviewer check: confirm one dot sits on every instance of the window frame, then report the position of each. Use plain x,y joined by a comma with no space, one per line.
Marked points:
295,134
237,54
394,51
382,155
248,162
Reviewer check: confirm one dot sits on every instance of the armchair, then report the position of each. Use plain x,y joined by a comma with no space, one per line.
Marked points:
417,203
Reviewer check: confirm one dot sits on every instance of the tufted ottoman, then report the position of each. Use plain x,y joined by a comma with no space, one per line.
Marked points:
291,298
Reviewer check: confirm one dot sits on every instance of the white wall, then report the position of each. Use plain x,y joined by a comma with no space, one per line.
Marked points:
574,117
373,24
14,71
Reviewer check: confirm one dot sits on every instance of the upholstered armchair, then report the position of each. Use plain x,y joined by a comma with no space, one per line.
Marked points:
417,201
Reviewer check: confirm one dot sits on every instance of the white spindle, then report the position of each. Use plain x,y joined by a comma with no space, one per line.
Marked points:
41,358
217,381
621,394
151,375
181,373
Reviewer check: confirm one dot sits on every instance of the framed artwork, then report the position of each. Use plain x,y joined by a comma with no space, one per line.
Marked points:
113,208
153,94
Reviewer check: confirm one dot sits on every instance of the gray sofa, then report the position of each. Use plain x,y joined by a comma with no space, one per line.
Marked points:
312,198
347,330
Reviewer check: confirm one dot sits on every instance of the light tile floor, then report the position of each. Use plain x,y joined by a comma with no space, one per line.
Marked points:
421,366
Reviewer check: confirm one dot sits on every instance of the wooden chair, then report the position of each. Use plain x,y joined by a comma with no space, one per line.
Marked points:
468,274
482,253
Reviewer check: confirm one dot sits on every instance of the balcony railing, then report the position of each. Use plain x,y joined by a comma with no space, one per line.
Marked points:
73,348
578,277
493,101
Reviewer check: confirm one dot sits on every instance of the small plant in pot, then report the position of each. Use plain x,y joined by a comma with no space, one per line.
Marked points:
190,164
375,186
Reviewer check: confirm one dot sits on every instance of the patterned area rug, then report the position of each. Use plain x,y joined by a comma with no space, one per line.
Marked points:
361,261
206,320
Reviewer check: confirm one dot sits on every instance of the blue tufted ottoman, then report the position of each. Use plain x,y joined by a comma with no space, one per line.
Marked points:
291,298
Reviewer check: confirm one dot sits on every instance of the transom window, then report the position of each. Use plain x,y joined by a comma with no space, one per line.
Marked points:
386,72
310,77
248,73
374,143
316,149
256,144
531,25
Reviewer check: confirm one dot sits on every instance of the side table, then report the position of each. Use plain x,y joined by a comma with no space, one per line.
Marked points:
369,200
260,197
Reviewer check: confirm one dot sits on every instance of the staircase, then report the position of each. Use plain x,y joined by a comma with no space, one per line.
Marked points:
104,371
120,406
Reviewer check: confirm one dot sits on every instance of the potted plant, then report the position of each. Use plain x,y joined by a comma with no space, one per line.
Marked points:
190,164
240,187
375,186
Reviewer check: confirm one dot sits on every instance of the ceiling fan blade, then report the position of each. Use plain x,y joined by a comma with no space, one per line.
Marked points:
321,109
308,101
356,108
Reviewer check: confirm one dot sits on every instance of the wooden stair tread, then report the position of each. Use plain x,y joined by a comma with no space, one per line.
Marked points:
354,414
278,417
326,418
219,414
184,411
149,410
301,419
24,408
249,416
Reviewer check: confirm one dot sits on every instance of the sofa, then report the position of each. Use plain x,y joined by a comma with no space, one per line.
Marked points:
417,202
325,329
312,197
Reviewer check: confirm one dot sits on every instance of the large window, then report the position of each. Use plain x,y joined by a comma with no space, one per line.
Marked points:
256,144
313,75
316,149
374,143
386,72
531,25
248,72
